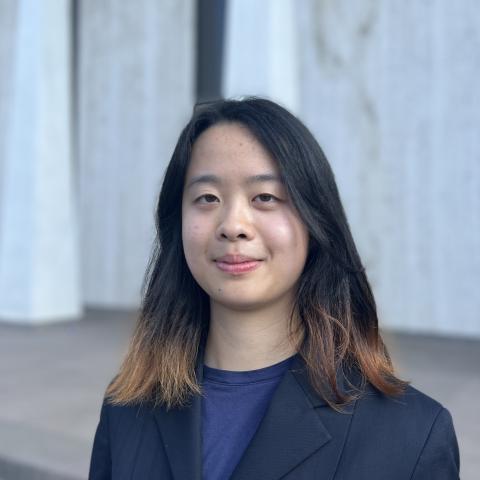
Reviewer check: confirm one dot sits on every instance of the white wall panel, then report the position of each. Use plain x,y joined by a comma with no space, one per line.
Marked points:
136,81
8,26
261,51
39,264
390,89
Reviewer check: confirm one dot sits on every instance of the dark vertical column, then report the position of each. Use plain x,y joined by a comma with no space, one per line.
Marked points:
210,46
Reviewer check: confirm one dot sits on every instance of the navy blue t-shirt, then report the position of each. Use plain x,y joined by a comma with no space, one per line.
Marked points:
233,405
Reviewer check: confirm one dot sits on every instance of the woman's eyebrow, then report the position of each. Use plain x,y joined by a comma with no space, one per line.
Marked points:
210,178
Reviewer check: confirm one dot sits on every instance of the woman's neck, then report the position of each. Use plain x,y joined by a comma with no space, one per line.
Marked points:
247,340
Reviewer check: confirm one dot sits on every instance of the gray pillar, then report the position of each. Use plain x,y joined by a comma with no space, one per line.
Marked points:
391,91
136,90
261,51
39,265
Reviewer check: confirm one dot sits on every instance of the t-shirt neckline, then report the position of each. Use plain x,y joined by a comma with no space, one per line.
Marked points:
247,376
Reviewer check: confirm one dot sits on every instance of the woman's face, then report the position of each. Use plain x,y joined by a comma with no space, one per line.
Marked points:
227,211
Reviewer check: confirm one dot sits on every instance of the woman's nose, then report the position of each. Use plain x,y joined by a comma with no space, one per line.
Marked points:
235,222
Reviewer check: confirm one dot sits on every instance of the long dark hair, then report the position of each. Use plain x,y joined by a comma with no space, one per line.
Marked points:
334,299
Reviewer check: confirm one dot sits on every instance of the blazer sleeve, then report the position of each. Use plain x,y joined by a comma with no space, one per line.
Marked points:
101,461
440,458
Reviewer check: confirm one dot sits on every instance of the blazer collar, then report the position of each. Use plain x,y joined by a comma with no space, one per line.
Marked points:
295,412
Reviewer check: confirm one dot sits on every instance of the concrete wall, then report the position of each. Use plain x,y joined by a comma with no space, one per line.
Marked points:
390,91
261,51
136,88
388,88
77,229
39,263
7,47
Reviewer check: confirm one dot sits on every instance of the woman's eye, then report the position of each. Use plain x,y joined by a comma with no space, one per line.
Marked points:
266,196
207,195
209,198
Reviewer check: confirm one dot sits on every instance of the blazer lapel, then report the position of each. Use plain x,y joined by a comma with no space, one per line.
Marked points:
297,424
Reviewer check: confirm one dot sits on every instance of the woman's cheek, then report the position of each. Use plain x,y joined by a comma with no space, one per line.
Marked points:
194,239
280,233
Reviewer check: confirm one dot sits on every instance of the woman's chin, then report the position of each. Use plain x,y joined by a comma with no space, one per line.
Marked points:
238,302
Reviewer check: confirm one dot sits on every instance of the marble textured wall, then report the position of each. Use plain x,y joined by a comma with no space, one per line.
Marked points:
39,264
261,51
391,91
136,88
388,88
8,16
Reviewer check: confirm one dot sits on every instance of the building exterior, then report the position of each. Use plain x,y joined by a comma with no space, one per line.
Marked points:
93,96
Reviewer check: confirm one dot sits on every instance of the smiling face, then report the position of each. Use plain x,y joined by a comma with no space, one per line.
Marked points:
235,204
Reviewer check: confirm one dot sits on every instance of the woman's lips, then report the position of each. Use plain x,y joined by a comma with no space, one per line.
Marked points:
238,268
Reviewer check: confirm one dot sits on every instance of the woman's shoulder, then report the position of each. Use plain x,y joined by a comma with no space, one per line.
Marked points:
412,419
412,404
412,431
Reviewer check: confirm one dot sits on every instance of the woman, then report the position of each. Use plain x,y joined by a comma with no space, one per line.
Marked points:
257,353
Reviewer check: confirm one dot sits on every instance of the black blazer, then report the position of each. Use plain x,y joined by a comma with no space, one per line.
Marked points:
299,438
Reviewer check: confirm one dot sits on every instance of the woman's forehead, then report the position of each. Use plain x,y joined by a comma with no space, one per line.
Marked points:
231,150
227,137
